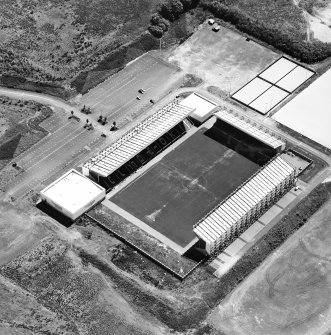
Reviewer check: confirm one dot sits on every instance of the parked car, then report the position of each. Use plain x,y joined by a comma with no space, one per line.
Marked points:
211,21
141,91
216,27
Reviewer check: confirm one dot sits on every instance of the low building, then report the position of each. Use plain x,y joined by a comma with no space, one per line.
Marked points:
202,108
73,194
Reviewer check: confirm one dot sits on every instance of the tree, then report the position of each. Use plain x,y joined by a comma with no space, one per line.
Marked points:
165,10
156,31
187,4
158,20
177,8
155,19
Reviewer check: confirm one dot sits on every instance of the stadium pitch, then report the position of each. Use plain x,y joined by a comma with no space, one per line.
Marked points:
185,185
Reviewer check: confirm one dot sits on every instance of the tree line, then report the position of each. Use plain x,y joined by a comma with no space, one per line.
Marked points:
167,12
292,44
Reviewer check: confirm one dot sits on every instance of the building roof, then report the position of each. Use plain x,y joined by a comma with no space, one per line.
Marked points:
202,106
72,191
137,139
239,203
239,122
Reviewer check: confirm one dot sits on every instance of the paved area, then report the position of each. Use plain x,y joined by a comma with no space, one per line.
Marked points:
115,98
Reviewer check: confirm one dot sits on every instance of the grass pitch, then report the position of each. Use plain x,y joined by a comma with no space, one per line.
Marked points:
187,183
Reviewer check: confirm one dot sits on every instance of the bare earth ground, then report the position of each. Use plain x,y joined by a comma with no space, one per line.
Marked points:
45,287
224,59
318,17
290,292
18,231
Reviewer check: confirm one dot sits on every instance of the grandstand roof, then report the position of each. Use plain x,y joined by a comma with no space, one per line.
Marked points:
240,202
137,139
240,123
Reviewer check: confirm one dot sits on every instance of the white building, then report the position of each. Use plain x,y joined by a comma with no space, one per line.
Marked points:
202,107
73,194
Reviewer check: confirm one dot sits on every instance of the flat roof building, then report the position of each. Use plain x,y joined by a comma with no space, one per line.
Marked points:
73,194
202,107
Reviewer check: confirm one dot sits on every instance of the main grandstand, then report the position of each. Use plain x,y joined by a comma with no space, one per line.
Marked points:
138,146
245,205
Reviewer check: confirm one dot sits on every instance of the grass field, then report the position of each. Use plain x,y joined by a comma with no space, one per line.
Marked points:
180,189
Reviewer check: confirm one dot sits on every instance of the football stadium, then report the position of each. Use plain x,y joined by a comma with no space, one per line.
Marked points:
194,172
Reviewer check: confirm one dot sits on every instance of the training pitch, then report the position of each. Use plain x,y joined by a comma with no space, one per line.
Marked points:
183,186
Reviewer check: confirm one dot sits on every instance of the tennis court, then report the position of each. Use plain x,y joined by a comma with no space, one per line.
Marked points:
187,183
273,85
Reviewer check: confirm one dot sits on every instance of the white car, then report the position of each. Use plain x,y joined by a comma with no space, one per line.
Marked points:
211,21
216,27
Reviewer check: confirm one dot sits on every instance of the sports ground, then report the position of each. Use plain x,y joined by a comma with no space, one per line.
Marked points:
183,186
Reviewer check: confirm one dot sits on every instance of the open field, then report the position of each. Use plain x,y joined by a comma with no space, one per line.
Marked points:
185,185
19,231
72,297
116,99
19,126
290,292
308,113
224,59
52,42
